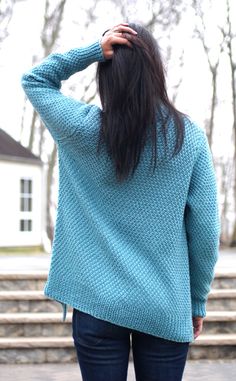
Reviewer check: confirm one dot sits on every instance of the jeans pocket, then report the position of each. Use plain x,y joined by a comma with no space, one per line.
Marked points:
89,330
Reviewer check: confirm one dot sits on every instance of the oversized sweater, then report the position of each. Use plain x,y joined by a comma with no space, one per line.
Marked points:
142,253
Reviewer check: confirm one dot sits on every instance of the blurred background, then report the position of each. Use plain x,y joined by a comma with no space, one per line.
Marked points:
198,44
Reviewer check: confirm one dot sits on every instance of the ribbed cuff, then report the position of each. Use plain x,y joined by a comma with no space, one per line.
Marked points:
198,308
98,51
87,55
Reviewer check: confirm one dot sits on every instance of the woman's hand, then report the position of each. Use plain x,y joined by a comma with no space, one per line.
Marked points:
197,325
116,35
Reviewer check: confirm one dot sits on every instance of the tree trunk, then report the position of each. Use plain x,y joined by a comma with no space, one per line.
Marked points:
213,105
6,11
50,170
230,37
32,130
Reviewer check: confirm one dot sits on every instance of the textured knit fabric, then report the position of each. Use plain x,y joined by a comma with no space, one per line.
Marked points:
141,253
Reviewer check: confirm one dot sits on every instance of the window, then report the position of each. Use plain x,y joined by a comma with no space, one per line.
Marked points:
25,225
25,205
26,195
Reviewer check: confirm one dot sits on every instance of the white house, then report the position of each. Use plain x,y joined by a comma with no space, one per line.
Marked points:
22,190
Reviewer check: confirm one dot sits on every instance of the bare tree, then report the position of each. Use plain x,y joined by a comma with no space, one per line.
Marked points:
223,165
165,14
230,37
213,63
50,33
225,168
51,165
53,15
6,11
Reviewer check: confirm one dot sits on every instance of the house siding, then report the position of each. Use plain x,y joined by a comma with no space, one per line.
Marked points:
10,215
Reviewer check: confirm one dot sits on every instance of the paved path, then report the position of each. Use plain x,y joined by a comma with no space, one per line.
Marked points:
204,370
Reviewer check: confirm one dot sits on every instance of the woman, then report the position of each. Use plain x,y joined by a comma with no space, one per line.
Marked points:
137,229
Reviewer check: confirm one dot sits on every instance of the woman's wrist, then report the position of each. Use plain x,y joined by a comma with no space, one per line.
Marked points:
105,32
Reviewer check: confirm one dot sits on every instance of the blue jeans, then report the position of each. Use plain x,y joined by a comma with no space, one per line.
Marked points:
103,352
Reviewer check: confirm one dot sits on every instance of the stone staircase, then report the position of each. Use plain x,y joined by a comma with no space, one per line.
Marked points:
32,331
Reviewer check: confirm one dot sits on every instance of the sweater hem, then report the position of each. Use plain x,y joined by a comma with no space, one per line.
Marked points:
116,316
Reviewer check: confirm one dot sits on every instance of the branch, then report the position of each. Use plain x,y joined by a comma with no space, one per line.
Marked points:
202,36
51,21
6,11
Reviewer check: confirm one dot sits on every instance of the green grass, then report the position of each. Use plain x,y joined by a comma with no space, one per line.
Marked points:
30,250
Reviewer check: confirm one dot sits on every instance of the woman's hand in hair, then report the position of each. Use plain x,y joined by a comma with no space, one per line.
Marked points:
116,35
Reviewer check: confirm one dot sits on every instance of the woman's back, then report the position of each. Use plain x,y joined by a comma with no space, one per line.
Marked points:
139,253
124,245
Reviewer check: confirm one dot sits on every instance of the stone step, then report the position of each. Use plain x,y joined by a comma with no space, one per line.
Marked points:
219,322
224,279
54,349
35,280
36,301
29,350
36,342
222,300
27,301
212,347
51,324
34,324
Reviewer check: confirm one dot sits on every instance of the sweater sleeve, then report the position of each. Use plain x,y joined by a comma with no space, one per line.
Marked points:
61,114
202,223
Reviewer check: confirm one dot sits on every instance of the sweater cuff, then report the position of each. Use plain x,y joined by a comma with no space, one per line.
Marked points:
97,52
198,308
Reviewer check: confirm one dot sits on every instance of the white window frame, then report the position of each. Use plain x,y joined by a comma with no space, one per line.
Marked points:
26,199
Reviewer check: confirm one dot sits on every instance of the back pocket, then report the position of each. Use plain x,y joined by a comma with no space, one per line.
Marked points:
89,330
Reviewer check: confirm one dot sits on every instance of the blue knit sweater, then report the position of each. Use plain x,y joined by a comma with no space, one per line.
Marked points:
141,253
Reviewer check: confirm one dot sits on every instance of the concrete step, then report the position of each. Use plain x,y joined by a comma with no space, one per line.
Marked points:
34,324
51,324
31,280
222,300
219,322
32,330
54,349
27,301
36,301
224,279
35,280
29,350
212,347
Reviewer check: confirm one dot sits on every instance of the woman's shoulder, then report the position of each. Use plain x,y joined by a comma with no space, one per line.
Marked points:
193,128
194,132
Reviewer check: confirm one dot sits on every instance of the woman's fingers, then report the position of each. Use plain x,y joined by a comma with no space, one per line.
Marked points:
121,41
122,23
121,28
120,35
120,38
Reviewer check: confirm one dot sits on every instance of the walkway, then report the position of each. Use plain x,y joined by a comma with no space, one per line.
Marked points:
204,370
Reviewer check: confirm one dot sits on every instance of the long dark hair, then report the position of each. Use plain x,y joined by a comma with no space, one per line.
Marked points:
132,89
